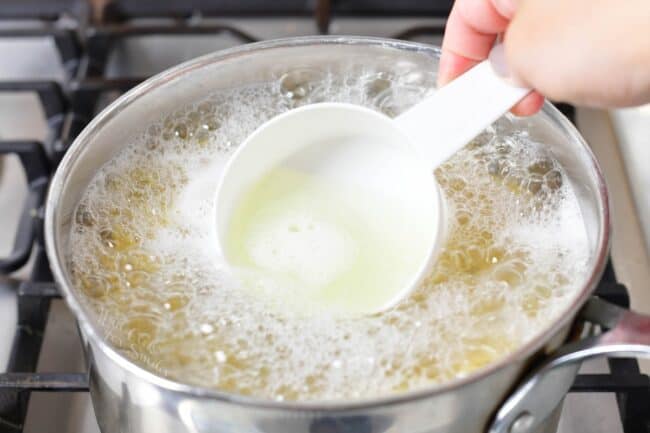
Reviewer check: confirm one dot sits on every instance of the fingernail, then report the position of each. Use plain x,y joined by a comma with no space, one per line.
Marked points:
499,64
498,61
506,8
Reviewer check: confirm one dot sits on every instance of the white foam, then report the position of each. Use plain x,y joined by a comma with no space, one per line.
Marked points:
188,318
301,244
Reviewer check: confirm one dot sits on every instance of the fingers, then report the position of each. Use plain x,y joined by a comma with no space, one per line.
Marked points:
600,61
506,8
471,29
452,65
528,106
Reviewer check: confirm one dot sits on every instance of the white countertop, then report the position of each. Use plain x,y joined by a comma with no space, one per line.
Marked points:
632,127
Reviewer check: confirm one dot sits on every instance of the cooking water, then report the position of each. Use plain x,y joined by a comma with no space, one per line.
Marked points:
324,242
142,252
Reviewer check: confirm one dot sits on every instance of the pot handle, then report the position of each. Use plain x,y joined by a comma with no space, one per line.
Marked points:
537,395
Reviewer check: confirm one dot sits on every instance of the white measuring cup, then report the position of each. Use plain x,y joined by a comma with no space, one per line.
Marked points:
388,159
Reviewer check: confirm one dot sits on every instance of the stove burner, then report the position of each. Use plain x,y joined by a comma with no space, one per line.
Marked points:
84,50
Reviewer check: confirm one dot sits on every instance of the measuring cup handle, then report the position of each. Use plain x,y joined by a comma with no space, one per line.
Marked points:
536,396
447,120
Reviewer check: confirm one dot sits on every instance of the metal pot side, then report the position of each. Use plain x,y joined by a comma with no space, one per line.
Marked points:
129,399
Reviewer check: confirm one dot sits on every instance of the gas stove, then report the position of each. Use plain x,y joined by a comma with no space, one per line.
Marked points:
64,61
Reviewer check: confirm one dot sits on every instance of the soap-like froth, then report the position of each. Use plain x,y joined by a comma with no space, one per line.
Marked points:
143,255
279,245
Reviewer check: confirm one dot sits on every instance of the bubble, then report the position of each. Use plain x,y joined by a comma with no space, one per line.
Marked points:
553,179
395,100
180,131
175,302
300,83
205,108
514,180
534,184
220,356
499,167
377,84
482,139
206,328
210,125
142,255
463,217
541,166
202,137
83,216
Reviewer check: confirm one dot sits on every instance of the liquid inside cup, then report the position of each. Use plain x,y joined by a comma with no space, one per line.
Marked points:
142,254
346,219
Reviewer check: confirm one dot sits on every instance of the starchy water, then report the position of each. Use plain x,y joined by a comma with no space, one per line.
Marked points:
326,243
143,255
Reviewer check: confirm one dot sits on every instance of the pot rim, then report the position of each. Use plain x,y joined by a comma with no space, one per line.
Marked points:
89,328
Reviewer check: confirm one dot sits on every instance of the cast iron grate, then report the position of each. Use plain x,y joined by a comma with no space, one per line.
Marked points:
70,105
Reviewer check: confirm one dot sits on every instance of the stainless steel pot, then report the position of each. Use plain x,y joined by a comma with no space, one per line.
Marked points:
129,399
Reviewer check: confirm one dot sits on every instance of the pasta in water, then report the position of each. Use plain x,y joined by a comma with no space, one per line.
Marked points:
143,254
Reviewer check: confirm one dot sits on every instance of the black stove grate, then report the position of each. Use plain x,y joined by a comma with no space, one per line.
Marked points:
70,105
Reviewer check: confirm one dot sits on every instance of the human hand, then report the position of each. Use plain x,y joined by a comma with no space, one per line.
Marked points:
580,51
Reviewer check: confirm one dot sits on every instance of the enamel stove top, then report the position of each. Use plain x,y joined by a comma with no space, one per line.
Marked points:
62,62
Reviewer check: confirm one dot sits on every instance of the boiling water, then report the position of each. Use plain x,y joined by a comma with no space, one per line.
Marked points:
325,242
143,255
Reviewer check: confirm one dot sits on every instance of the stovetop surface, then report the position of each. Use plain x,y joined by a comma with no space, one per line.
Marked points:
64,68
